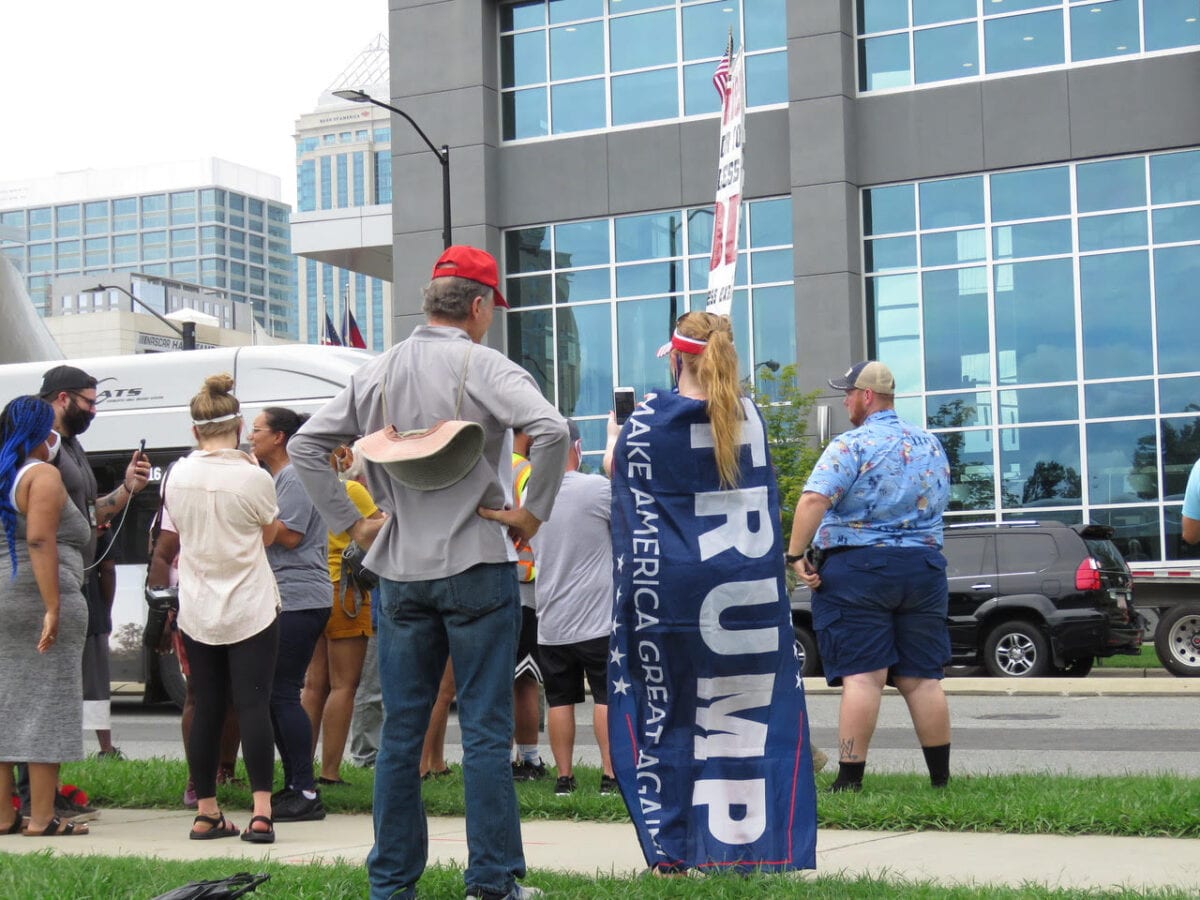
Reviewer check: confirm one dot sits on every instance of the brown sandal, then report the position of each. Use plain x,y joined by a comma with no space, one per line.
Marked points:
56,827
217,828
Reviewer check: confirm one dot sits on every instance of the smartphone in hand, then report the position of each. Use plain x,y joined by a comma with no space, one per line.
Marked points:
623,403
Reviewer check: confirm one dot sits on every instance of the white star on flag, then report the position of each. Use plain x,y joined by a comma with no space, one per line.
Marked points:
616,625
616,656
621,563
621,685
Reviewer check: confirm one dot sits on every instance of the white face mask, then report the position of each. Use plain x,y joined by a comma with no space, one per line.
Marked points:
53,443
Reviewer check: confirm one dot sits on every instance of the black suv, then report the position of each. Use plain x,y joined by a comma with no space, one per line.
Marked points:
1027,599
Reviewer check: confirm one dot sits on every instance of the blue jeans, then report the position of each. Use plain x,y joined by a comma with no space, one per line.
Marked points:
298,634
474,617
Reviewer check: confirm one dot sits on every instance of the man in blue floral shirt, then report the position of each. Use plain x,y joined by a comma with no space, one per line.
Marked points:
872,511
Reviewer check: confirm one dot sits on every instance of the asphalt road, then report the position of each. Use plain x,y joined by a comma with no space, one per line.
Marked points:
1084,735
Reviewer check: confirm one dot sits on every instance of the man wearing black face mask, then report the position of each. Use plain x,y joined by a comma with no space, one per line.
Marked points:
72,393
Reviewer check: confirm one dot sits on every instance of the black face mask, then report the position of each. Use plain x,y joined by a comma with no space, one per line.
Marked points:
77,420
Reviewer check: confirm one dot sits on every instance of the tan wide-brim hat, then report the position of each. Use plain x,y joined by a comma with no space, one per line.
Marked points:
426,460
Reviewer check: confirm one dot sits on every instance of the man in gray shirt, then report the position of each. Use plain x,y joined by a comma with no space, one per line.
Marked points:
447,566
574,590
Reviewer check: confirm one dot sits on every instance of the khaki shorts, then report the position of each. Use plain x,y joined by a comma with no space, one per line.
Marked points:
351,615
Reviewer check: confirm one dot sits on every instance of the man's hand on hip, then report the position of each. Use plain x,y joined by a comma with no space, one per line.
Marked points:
364,531
521,523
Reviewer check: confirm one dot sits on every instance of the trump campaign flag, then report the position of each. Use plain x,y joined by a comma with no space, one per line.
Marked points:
707,722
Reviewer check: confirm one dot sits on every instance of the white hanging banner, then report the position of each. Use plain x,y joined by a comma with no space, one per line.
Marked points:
722,262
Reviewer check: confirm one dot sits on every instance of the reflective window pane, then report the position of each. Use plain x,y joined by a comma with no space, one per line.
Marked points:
641,328
1112,184
1136,531
952,202
1040,466
770,222
699,95
581,243
706,28
576,51
1179,438
766,24
637,42
531,345
1111,399
1176,274
1026,407
1031,194
1104,29
1176,224
525,114
577,106
583,284
1122,462
585,379
948,248
881,15
888,210
774,324
766,79
526,14
527,250
998,7
883,254
653,236
928,12
972,467
536,290
956,328
1176,395
1175,177
1032,239
1035,321
1113,232
644,97
883,62
771,265
959,410
649,278
940,54
569,10
1115,295
1023,42
892,306
1170,23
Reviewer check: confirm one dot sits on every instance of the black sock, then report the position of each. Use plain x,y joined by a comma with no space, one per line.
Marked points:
849,777
938,761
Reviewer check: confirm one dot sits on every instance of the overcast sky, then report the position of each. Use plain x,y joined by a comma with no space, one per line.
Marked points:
85,84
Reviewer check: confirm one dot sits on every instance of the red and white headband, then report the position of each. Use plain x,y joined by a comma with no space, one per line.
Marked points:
683,344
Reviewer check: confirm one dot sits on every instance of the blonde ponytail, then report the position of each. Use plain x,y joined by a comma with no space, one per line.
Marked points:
716,370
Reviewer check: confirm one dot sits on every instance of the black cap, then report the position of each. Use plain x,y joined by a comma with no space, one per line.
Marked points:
65,378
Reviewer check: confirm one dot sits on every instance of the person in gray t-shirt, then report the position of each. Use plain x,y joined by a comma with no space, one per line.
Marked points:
299,559
574,605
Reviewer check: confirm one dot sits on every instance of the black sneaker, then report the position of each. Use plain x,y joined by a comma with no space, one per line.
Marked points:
564,786
293,806
608,784
527,771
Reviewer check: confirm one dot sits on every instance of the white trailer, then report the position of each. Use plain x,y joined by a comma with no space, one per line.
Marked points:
1171,590
147,396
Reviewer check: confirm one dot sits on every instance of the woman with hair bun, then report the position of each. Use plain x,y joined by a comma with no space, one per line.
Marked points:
224,510
44,617
707,720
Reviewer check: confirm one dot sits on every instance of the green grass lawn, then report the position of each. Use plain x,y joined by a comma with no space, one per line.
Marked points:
1146,659
40,875
1133,805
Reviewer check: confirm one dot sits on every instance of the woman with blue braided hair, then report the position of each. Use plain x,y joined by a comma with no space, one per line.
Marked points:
44,617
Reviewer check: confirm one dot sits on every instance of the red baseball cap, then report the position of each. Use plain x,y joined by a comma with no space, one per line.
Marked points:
472,263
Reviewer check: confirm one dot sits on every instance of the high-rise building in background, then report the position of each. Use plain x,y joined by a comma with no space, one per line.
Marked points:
344,206
209,222
999,200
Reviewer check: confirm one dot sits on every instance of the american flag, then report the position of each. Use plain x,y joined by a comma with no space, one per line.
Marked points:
721,78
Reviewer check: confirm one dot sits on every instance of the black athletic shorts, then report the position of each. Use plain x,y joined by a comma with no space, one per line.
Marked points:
528,662
564,666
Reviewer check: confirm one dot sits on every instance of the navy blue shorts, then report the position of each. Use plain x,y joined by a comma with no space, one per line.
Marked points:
882,608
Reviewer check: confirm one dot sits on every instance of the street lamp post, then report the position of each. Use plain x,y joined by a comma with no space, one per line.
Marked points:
185,330
442,153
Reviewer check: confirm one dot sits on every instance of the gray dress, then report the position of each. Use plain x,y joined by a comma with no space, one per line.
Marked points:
41,694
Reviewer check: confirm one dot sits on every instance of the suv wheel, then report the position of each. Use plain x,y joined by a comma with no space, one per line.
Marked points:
806,651
1017,650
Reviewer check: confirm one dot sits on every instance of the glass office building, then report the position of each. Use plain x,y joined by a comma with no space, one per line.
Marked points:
999,198
210,223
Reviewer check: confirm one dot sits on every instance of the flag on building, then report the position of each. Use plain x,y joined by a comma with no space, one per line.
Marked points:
730,82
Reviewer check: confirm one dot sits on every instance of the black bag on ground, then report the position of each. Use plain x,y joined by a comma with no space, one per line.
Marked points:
233,886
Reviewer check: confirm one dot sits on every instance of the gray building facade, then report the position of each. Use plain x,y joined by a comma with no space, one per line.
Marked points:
997,198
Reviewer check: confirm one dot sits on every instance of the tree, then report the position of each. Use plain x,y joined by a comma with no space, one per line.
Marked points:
794,452
128,638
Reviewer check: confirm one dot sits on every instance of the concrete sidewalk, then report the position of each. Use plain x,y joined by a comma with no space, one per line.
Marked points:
589,848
